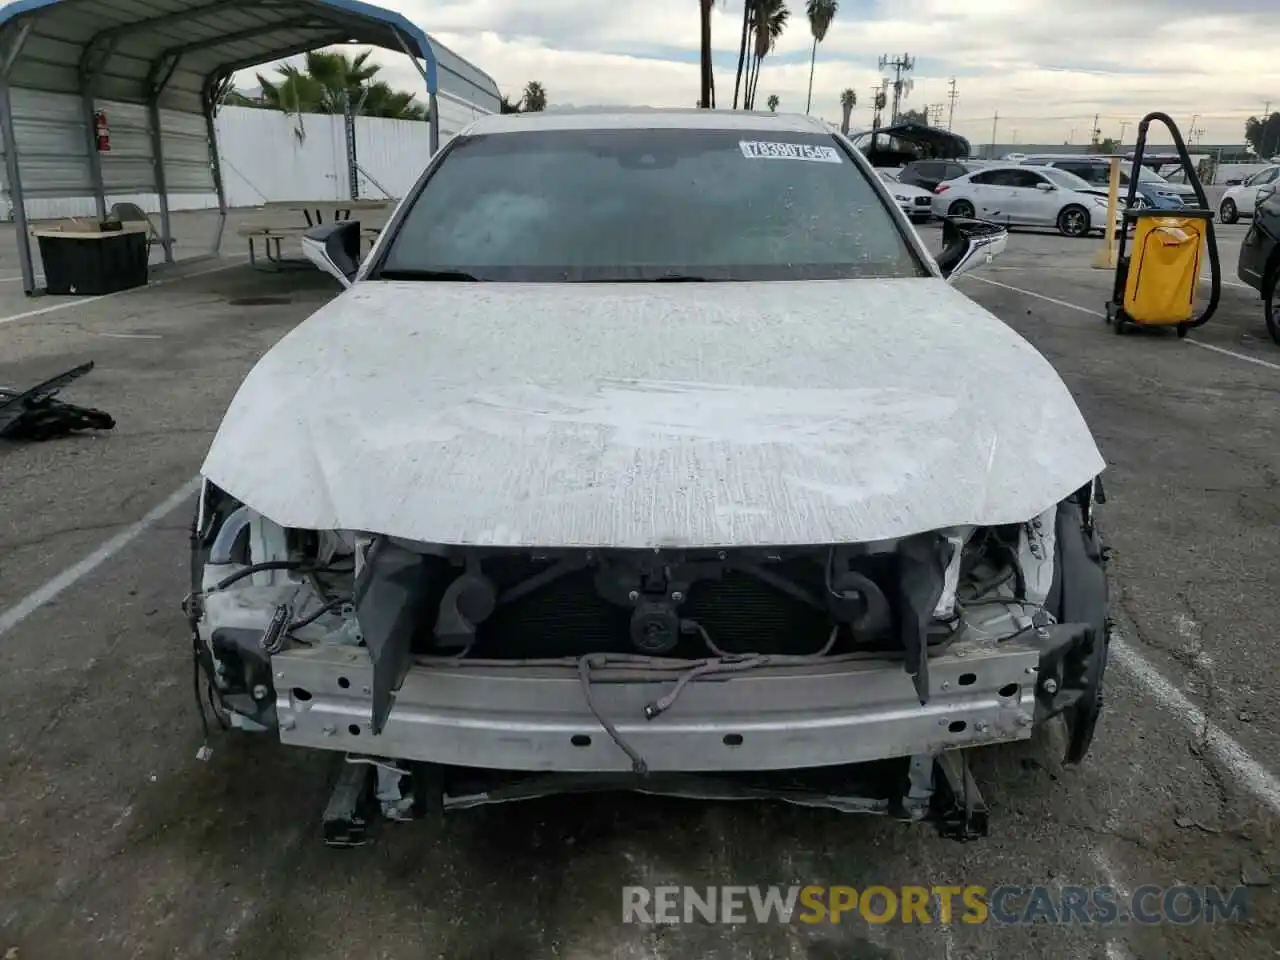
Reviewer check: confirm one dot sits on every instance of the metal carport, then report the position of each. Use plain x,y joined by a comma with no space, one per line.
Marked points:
155,64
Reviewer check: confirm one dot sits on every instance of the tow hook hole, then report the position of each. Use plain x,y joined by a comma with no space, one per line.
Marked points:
343,682
733,739
1008,690
968,679
300,694
354,729
957,726
580,740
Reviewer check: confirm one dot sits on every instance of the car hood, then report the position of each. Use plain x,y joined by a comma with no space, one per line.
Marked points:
907,189
641,415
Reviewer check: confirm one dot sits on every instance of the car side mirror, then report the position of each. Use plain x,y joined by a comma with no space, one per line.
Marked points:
1046,187
335,249
968,244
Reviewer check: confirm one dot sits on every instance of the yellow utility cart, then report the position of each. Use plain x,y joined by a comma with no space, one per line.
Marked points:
1158,283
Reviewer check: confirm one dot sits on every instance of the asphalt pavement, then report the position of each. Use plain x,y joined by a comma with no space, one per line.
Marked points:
118,842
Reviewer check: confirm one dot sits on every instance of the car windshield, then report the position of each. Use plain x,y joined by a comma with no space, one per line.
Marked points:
1066,179
647,205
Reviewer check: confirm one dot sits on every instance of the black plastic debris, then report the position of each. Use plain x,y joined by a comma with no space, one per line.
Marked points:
35,415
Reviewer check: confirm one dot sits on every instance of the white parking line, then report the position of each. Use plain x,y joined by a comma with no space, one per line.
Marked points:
1239,356
52,588
236,261
1228,752
1097,313
1260,781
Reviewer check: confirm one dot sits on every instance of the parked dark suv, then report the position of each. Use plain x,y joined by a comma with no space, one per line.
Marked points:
929,173
1259,264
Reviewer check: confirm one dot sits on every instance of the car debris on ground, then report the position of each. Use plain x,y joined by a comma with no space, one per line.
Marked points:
34,414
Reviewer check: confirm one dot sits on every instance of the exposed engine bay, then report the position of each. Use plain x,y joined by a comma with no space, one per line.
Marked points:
746,662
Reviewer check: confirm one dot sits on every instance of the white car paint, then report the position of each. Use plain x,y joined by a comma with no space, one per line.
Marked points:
1022,205
641,415
547,414
1245,195
915,202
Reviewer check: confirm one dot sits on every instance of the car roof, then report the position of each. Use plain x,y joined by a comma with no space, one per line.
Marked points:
992,167
646,118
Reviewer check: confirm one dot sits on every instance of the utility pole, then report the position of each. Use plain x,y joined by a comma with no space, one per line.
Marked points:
1124,125
1097,132
951,113
903,63
994,120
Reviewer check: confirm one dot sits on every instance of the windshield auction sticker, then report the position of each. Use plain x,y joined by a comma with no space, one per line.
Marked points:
768,150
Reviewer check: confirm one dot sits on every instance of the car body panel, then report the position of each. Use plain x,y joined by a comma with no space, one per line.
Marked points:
1026,206
915,202
1158,194
1245,195
927,174
1260,248
636,415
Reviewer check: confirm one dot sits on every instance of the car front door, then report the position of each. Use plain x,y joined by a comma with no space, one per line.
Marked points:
1255,184
990,193
1261,239
1029,200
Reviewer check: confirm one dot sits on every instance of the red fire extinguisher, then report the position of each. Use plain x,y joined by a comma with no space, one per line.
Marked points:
101,131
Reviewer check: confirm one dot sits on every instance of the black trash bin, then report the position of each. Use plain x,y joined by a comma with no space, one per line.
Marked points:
84,259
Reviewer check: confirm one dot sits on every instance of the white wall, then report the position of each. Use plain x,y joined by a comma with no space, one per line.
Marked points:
267,155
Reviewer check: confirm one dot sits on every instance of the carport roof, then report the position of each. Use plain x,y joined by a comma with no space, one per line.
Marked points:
134,50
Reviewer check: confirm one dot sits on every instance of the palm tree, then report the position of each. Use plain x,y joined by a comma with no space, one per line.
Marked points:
535,97
380,100
742,48
848,100
821,13
769,19
294,92
334,83
773,103
704,33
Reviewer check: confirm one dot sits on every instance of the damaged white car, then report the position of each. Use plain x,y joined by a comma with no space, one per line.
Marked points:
651,450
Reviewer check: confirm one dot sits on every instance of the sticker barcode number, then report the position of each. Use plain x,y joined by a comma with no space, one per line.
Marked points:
769,150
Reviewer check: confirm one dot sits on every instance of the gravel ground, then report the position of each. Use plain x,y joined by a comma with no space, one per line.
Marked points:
120,844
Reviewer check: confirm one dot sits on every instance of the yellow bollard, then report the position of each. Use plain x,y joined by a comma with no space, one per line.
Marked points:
1105,258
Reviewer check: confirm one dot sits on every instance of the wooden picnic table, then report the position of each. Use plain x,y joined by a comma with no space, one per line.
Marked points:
314,210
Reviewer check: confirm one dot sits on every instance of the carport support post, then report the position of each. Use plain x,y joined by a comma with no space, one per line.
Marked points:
215,162
95,158
433,103
157,161
12,170
16,199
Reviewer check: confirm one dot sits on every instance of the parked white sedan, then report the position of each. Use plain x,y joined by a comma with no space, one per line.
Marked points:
1240,200
915,202
1028,197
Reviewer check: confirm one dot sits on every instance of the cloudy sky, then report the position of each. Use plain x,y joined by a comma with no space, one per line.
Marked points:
1046,66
